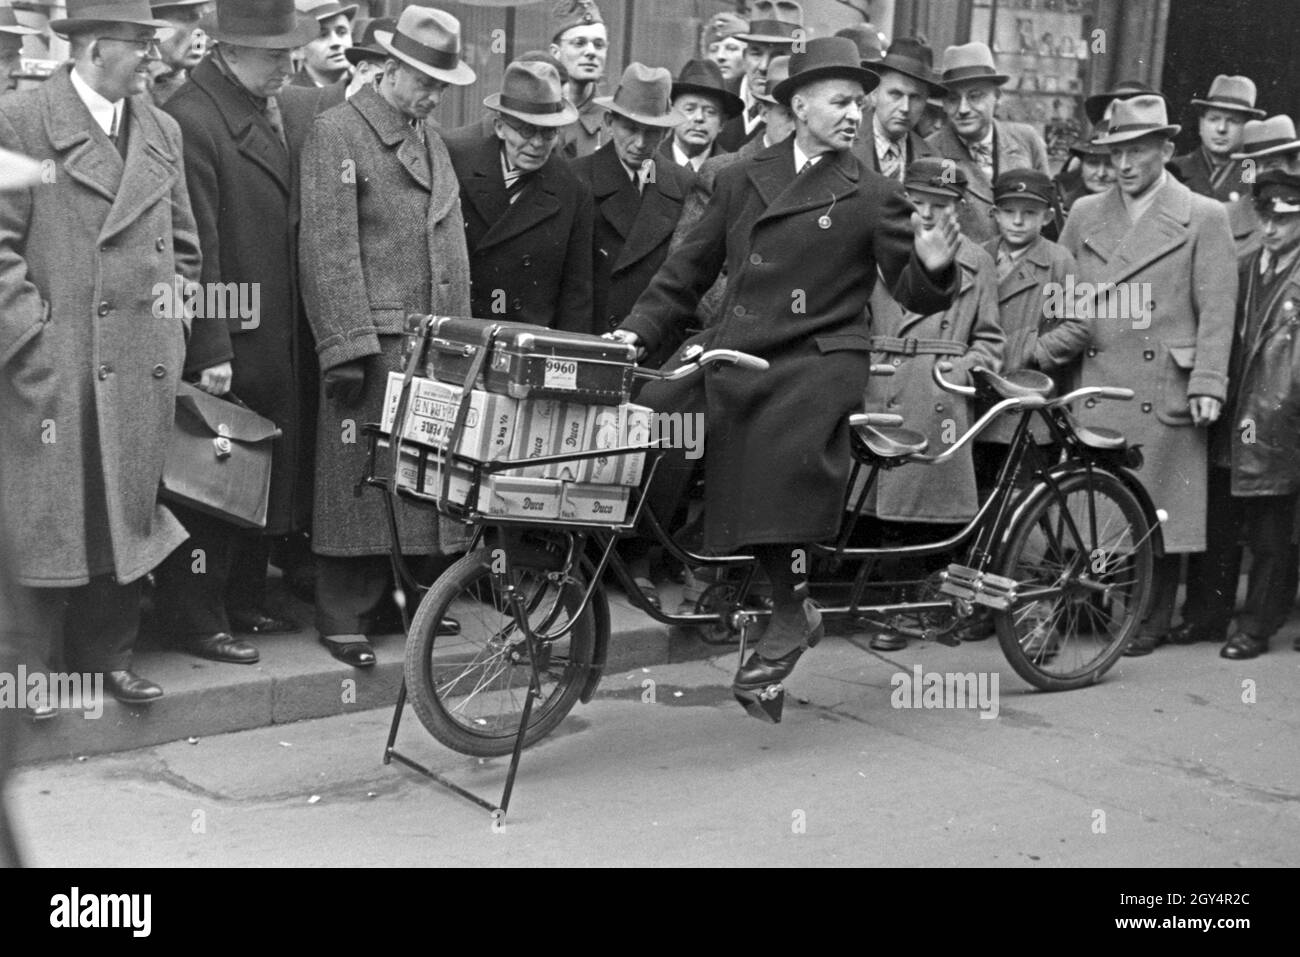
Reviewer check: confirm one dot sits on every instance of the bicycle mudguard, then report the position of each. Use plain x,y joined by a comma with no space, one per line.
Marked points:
1062,469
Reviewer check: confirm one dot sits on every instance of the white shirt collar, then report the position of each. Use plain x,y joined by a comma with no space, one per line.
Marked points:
104,112
1137,205
800,157
681,159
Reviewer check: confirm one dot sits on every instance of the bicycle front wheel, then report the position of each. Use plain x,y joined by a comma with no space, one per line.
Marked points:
1088,554
469,689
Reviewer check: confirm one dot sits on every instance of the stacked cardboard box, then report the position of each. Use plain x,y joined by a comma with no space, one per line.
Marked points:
498,427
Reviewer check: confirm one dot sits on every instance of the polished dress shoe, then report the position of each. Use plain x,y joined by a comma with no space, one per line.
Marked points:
257,622
223,647
1141,645
130,688
1189,634
355,651
1241,646
758,672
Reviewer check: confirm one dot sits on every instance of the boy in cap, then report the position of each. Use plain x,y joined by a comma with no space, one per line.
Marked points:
579,41
1209,169
1255,457
966,334
1265,145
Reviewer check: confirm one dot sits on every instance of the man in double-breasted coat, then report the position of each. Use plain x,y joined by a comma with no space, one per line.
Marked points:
638,198
777,456
90,349
382,236
1163,329
243,131
529,239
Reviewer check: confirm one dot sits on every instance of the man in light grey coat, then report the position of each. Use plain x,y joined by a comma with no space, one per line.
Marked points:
382,236
90,361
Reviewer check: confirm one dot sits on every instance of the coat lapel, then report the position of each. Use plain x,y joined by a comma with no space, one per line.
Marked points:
393,130
1162,228
91,159
249,130
1027,273
151,167
831,180
1274,308
536,204
661,207
613,191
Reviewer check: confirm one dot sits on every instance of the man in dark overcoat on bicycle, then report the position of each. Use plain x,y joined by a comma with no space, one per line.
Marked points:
802,228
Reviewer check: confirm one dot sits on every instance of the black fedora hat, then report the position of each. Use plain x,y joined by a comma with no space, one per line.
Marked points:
89,14
1094,107
264,24
775,21
822,59
367,48
704,77
913,58
531,91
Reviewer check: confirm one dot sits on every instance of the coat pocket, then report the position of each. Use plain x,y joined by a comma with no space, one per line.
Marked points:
12,340
1179,362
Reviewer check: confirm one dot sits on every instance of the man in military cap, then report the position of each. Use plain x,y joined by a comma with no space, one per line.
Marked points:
719,43
579,40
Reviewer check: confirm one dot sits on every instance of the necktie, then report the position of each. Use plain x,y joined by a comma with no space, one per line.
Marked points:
1266,264
982,154
891,164
1005,264
517,181
276,120
752,113
115,132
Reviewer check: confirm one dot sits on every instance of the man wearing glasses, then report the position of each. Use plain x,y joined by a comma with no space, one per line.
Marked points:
528,219
88,365
581,44
982,146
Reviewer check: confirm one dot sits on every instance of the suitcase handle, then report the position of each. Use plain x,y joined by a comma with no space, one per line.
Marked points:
456,348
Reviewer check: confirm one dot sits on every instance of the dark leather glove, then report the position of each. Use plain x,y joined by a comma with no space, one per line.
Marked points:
346,382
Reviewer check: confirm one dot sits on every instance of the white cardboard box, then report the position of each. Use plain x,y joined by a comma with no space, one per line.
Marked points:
431,416
536,434
605,430
594,503
516,497
637,422
571,438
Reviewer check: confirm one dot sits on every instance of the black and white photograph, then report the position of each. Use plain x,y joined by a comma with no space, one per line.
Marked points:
651,434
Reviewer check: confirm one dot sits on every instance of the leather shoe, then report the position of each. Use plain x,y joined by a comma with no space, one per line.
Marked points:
223,647
759,672
1242,646
358,652
1140,645
884,641
257,622
130,688
1189,634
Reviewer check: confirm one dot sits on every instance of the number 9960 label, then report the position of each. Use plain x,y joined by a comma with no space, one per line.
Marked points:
560,374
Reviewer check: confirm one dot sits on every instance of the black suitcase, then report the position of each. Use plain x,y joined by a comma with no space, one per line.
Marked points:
530,361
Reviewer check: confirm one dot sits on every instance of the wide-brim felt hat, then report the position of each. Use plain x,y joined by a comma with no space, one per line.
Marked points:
9,23
778,68
644,96
263,24
428,40
1136,117
866,39
912,58
774,21
824,58
1088,146
1236,93
324,9
704,77
88,14
1094,107
969,62
1268,138
367,48
532,92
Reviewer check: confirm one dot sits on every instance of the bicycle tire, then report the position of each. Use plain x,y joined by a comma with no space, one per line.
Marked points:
468,689
1071,640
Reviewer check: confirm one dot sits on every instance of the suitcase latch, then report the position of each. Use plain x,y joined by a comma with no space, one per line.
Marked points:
221,444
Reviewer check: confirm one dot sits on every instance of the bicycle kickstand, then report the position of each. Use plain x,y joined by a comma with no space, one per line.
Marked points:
767,703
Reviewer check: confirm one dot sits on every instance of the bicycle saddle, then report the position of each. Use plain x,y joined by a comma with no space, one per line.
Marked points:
1102,439
887,442
1015,385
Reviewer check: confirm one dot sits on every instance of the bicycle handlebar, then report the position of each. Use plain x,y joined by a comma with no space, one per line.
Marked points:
698,360
937,370
1100,391
886,419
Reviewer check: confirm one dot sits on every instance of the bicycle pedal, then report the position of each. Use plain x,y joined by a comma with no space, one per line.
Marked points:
766,704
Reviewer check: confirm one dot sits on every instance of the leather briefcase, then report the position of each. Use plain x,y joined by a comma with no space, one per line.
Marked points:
219,460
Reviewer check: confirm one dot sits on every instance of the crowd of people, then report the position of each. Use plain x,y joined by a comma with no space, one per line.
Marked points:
824,203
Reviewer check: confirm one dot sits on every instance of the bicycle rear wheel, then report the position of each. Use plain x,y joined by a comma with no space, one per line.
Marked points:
1092,549
469,689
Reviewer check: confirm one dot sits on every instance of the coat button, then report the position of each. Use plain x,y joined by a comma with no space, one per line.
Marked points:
613,322
516,305
944,323
104,371
739,310
938,407
160,244
898,362
1148,354
1090,404
159,371
1146,406
104,308
528,260
755,259
1092,351
893,403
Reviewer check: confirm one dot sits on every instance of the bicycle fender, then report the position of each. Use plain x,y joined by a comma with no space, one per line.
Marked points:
1130,481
